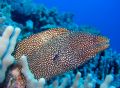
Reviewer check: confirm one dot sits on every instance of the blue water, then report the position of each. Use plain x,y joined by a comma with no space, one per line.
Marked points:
102,14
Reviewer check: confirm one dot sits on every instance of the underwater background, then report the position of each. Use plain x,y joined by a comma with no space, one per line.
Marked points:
102,14
99,17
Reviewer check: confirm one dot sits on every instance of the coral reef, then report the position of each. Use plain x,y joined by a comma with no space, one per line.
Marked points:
7,45
89,82
33,19
108,60
102,71
31,82
21,12
68,79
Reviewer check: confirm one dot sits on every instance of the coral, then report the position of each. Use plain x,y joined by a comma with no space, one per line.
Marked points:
5,17
22,6
7,45
108,80
23,13
108,60
2,19
31,82
79,82
29,25
69,80
5,10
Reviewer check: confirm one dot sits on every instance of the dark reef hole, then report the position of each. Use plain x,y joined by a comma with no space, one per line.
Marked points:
18,17
22,18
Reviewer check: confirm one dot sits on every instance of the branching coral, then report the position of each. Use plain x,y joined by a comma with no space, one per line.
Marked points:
31,82
77,81
7,45
8,41
20,13
108,80
109,60
5,16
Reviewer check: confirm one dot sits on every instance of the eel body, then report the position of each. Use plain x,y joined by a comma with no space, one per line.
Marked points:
56,51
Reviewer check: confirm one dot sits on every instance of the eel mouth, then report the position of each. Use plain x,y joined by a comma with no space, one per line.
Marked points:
100,43
103,43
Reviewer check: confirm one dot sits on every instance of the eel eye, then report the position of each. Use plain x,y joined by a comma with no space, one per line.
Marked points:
56,58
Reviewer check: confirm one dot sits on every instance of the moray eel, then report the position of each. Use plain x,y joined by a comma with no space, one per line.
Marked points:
56,51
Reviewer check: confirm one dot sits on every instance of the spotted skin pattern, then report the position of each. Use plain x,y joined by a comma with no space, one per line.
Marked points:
56,51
